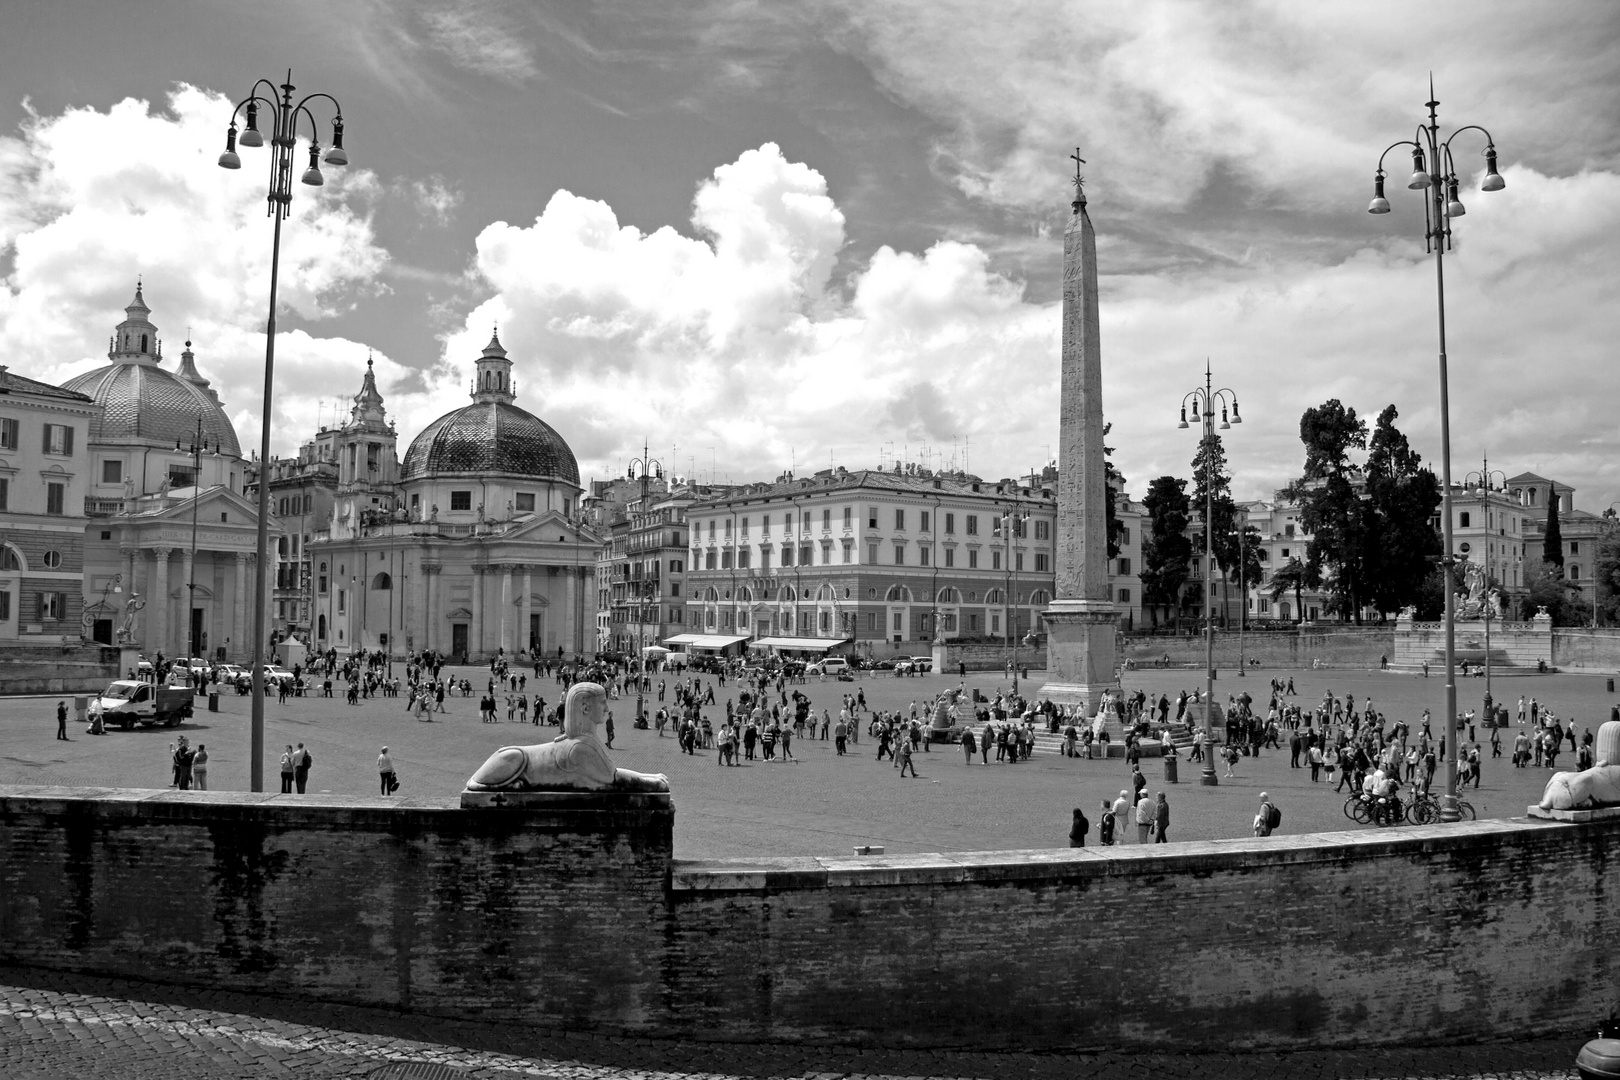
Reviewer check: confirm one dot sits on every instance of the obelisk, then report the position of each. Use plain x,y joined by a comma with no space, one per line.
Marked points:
1081,623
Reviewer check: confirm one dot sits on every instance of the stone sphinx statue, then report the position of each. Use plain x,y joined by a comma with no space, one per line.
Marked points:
1591,788
575,761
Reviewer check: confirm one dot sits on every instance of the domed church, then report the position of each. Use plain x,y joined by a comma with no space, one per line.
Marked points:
170,540
478,550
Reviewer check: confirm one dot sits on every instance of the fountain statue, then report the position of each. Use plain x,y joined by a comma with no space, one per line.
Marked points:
575,761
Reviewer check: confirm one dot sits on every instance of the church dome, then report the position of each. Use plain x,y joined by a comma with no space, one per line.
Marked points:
492,436
145,403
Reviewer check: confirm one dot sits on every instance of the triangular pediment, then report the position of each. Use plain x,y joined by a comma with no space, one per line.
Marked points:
552,527
214,501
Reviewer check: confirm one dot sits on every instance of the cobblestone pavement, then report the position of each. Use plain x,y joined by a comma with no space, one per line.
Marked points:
55,1025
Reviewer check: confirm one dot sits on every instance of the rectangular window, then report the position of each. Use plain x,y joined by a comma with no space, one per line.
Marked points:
995,560
743,528
826,554
950,522
849,550
899,622
899,518
871,517
787,555
950,556
1124,596
728,528
1040,563
711,528
343,600
972,523
924,525
804,556
995,526
764,560
725,560
50,606
10,434
826,519
848,510
744,556
461,500
765,525
973,560
1574,547
1040,529
1018,560
995,622
59,440
708,560
1124,535
1124,567
525,502
872,554
5,607
899,555
922,556
54,494
5,494
112,472
871,621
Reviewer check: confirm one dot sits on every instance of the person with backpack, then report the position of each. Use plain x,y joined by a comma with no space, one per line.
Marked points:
1269,817
387,780
302,760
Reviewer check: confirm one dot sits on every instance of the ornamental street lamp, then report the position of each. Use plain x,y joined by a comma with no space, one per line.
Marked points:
1203,399
196,447
1435,173
284,115
1482,478
646,468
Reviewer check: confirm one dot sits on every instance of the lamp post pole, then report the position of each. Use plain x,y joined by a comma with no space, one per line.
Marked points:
1243,598
1485,474
1434,173
641,465
198,445
1203,401
284,115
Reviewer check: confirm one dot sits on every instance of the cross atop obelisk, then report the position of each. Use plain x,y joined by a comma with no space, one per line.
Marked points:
1081,649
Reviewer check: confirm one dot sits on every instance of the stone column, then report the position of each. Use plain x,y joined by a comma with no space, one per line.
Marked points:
159,604
476,645
241,604
526,614
506,608
433,606
1081,621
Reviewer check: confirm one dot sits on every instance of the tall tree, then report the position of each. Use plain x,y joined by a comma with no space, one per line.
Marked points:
1330,505
1399,544
1115,481
1248,569
1166,551
1297,576
1546,588
1607,572
1552,542
1210,475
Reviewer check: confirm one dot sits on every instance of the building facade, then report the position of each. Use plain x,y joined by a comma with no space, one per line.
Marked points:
886,561
44,478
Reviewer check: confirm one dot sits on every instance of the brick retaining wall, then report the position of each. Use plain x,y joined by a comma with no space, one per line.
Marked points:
577,916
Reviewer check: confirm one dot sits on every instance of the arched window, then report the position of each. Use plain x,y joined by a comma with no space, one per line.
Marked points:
1532,496
1574,571
320,627
382,582
948,595
898,594
711,595
784,595
745,595
11,558
1040,598
995,596
825,594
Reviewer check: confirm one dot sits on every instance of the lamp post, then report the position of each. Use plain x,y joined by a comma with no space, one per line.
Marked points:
1203,401
1484,474
195,449
1009,520
1434,173
284,116
1243,597
647,468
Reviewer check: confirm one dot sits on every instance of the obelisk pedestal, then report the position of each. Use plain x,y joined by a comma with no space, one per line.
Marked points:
1081,624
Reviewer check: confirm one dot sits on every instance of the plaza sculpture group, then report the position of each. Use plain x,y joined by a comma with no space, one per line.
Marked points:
575,761
1589,789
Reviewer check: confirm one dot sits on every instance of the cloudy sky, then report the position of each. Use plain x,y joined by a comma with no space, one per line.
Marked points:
765,235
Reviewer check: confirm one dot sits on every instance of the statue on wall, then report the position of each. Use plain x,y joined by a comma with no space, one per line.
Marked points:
129,490
132,607
163,488
1593,788
1408,612
575,761
435,515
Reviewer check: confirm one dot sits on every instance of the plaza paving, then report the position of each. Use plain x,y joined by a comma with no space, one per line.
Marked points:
55,1026
819,804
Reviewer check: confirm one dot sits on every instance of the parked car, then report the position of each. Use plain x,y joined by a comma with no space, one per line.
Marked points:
829,665
922,664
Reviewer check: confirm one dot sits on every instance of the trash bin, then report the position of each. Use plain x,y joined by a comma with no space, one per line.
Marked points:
1170,769
213,701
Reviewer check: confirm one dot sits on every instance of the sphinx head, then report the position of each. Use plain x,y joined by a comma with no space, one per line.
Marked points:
584,710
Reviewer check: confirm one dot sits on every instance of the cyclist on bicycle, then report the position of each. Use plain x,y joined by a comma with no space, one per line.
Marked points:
1384,786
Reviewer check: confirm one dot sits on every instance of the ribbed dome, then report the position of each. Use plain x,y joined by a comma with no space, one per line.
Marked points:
490,438
144,401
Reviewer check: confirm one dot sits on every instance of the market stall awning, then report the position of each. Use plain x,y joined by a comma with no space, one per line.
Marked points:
820,644
705,641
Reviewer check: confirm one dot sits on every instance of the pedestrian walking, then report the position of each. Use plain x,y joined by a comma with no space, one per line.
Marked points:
61,721
905,759
1268,818
388,780
968,747
1144,820
1161,820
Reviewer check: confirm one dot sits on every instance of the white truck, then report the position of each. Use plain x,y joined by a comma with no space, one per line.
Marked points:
127,702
